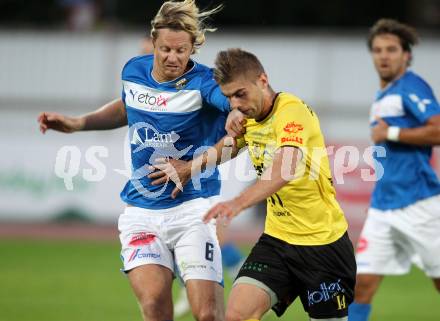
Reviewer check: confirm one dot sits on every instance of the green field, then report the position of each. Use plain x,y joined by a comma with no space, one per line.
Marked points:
80,281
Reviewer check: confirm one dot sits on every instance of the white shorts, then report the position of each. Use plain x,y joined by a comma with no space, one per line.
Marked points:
394,239
174,237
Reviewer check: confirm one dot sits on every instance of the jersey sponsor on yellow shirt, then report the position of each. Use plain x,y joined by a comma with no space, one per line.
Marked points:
305,210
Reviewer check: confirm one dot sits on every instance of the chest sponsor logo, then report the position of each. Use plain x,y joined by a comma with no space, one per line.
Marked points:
159,101
143,135
293,128
294,139
154,100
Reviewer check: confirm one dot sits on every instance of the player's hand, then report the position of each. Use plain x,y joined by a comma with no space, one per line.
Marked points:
235,124
59,123
178,171
223,211
380,131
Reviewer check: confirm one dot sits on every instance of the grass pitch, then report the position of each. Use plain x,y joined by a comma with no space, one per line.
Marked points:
80,281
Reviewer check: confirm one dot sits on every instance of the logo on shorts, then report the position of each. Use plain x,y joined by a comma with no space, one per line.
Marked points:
254,266
142,239
361,245
326,292
137,254
184,266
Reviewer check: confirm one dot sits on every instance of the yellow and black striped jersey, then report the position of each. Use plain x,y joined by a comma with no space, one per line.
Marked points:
305,210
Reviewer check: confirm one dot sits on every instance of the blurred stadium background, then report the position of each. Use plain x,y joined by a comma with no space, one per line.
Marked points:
60,247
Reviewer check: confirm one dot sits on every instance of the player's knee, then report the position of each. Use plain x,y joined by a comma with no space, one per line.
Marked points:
364,290
152,308
234,315
149,308
437,284
206,314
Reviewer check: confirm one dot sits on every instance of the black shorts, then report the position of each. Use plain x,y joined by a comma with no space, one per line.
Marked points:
323,276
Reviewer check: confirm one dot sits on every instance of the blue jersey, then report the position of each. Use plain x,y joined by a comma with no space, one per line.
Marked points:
408,176
174,119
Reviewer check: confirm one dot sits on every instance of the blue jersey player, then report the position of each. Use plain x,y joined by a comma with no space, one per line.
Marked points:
403,221
173,108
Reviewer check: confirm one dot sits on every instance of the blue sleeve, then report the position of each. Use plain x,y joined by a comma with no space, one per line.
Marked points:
130,65
213,125
123,95
419,101
122,78
126,69
212,94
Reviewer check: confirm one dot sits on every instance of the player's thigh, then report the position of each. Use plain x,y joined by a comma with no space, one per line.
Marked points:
247,301
221,234
152,285
141,241
436,283
327,275
366,286
420,225
206,297
151,280
266,270
380,249
197,253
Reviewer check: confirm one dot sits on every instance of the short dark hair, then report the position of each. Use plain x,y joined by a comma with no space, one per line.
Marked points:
231,63
407,35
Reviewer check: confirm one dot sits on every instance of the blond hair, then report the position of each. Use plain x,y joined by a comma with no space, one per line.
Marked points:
184,16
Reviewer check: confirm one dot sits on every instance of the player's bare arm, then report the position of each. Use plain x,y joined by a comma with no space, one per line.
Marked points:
176,170
273,178
59,122
429,134
235,123
180,171
109,116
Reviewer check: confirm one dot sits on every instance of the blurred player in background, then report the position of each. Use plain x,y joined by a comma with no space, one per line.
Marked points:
173,107
305,250
403,221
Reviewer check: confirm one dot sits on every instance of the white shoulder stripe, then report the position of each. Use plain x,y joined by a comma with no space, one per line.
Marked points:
388,106
153,100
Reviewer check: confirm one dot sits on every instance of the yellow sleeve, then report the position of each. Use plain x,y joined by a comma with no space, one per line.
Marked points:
294,125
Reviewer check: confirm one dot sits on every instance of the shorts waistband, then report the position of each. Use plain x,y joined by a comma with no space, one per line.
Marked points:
172,210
